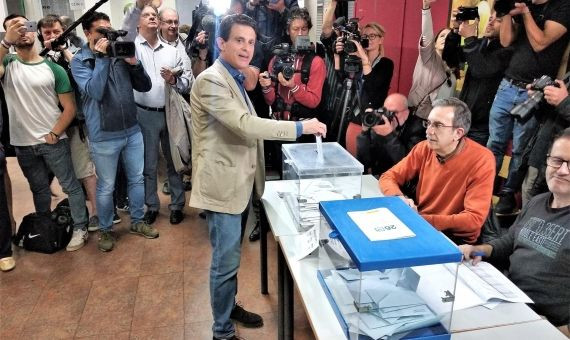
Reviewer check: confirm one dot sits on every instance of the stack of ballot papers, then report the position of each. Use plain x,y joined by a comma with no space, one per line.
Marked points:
379,304
305,207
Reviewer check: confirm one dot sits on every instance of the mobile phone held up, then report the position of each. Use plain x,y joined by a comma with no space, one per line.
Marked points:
31,26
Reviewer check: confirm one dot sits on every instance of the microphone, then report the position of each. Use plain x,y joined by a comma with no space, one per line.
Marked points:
209,23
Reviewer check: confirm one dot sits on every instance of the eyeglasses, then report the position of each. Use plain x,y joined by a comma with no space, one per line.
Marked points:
556,162
170,22
371,36
435,125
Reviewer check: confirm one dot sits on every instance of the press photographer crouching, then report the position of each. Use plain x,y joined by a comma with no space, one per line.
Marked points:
293,85
360,56
388,134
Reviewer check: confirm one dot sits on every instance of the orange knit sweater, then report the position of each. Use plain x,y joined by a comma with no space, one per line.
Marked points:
454,196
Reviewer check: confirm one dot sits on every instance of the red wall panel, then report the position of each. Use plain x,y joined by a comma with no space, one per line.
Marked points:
402,21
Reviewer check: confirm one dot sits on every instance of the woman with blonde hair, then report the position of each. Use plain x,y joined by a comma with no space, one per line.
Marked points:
372,87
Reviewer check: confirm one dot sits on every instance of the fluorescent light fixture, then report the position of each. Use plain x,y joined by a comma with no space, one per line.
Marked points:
220,6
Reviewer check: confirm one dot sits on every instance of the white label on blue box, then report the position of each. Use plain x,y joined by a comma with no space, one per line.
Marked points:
380,224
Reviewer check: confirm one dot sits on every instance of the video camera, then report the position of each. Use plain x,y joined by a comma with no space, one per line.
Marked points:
467,13
522,110
285,56
117,49
374,117
503,7
349,31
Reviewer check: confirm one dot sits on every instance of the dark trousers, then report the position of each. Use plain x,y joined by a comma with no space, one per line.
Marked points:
5,225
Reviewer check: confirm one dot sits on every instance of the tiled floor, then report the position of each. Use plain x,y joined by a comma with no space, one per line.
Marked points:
144,289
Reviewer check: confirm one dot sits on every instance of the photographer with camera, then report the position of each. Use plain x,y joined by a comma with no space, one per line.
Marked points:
293,85
538,35
106,84
165,65
433,77
454,173
486,60
556,121
388,134
202,48
50,28
35,88
271,17
374,73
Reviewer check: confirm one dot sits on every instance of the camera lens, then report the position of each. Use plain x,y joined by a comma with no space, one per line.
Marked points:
369,119
288,72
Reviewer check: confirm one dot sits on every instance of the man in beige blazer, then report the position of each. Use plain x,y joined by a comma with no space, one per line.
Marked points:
227,159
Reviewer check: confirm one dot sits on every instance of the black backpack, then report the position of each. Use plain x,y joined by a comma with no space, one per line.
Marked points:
46,233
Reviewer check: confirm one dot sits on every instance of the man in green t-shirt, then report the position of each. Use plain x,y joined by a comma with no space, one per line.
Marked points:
33,88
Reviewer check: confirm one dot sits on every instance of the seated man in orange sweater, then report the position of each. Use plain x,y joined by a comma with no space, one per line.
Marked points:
455,174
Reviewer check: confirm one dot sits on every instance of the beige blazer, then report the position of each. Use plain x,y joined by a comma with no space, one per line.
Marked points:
227,143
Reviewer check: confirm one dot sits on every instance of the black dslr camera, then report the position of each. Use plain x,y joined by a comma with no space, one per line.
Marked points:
542,82
374,117
523,110
285,56
349,31
117,49
467,13
503,7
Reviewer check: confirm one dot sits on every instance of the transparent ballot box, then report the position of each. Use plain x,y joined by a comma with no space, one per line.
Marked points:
332,174
387,273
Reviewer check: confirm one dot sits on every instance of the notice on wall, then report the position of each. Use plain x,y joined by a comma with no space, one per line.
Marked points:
77,5
380,224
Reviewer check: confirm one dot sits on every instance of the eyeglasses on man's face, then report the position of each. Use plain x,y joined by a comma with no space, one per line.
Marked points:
436,125
170,22
556,162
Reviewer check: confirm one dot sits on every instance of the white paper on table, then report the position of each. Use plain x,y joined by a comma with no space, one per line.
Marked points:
492,284
306,242
380,224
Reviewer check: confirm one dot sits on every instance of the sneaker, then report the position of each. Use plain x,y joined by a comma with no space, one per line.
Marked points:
123,206
143,229
166,188
78,239
506,205
93,223
116,218
7,264
245,318
234,337
106,241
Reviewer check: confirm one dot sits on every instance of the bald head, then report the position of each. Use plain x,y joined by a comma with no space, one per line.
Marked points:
396,100
398,103
169,24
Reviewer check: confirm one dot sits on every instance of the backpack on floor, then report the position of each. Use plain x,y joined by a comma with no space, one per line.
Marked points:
46,233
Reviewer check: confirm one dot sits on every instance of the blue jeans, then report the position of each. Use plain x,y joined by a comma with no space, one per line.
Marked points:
155,133
503,126
225,235
37,161
106,157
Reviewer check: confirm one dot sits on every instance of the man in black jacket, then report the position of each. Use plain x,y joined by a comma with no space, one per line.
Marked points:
486,60
557,120
385,144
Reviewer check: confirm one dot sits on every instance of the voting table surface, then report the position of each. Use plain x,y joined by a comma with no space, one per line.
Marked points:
507,320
